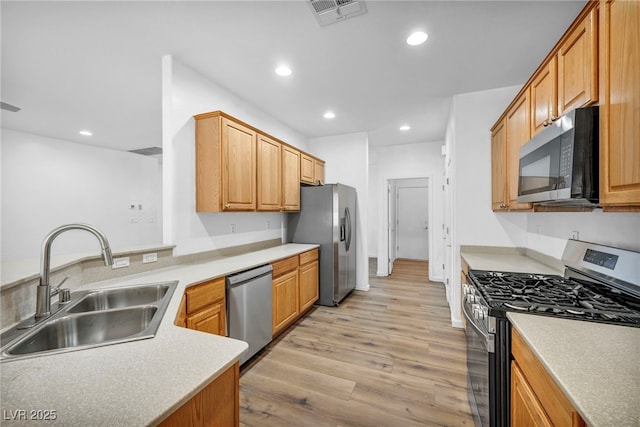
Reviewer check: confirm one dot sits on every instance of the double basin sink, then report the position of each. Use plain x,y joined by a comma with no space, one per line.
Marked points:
91,319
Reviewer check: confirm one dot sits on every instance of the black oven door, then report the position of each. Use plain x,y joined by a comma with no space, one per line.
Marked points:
477,369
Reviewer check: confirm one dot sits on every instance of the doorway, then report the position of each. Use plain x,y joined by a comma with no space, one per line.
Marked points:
408,220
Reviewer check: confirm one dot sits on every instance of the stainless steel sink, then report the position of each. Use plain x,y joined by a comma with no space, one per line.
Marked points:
87,329
93,318
120,297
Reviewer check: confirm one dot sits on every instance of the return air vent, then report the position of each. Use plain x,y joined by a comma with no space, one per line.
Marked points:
150,151
332,11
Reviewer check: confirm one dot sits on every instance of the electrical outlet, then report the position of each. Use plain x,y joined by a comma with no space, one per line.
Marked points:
267,224
152,257
233,228
575,235
120,262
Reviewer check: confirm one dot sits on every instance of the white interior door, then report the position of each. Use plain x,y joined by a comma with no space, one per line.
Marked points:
412,226
391,226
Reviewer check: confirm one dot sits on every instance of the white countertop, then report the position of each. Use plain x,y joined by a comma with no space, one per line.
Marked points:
596,365
514,262
136,383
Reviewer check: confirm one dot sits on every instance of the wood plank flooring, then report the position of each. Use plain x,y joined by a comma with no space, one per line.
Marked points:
387,357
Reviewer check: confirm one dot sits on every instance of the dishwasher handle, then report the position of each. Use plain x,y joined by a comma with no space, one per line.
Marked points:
244,276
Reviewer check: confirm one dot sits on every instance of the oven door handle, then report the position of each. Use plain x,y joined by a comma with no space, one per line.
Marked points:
489,339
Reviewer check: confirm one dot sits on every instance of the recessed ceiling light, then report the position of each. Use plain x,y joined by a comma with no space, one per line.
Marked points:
417,38
405,127
329,115
283,70
85,132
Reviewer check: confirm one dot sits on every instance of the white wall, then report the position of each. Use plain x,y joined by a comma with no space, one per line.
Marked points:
472,220
49,182
185,94
419,160
347,162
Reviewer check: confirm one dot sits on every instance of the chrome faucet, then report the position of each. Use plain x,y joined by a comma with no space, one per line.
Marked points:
43,295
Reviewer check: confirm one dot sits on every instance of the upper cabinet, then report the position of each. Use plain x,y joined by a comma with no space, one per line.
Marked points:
240,168
577,60
596,61
225,164
269,174
290,179
311,170
620,105
518,133
499,166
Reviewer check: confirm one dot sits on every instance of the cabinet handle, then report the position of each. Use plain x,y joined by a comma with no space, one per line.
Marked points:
554,118
227,206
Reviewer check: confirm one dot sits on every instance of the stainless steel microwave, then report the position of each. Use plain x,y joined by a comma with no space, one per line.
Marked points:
560,164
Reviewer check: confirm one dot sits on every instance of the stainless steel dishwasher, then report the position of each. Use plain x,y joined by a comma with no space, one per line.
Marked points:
249,308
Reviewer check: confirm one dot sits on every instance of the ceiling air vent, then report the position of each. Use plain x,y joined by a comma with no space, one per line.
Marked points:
331,11
149,151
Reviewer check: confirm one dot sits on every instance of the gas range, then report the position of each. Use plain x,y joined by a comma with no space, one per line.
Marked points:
600,284
553,295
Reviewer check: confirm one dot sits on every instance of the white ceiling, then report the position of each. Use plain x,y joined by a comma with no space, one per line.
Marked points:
97,65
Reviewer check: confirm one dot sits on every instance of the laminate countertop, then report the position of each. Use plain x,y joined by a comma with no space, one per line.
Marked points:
596,365
135,383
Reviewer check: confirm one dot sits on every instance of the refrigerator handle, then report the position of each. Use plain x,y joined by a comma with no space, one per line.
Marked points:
342,233
347,218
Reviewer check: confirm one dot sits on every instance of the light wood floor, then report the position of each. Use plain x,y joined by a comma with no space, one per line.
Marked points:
387,357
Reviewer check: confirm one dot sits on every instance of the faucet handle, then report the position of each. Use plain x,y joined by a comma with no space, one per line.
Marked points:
64,296
55,291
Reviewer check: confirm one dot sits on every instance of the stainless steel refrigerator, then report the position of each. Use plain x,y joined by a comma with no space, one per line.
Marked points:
327,217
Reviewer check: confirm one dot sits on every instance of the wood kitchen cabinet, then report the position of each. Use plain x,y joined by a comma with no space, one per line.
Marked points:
311,170
536,399
290,179
225,164
269,174
518,130
217,405
577,61
308,277
499,166
620,105
318,172
285,293
544,93
295,288
205,307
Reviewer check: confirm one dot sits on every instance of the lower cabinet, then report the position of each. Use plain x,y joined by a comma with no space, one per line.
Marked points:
536,399
295,288
217,405
308,277
203,308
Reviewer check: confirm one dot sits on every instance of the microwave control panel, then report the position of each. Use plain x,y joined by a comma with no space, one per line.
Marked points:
566,160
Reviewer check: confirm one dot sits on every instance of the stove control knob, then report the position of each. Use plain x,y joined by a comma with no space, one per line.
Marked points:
475,308
484,311
471,298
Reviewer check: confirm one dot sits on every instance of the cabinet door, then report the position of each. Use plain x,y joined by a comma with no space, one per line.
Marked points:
239,167
285,300
309,289
518,133
620,104
269,174
543,97
577,66
210,319
318,172
290,179
499,167
526,409
307,169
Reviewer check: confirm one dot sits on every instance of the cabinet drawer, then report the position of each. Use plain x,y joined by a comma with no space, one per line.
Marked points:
200,296
285,265
309,256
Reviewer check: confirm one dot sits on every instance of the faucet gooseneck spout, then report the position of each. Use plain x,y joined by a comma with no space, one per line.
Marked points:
43,296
